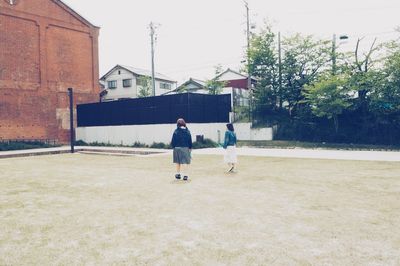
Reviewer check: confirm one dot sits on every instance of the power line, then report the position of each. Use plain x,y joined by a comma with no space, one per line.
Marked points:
344,10
375,33
358,35
207,64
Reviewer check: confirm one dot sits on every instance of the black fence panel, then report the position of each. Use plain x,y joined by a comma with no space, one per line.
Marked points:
194,108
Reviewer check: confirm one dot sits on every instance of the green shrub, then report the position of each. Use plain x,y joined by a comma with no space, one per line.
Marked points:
160,145
103,144
23,145
139,145
206,143
81,143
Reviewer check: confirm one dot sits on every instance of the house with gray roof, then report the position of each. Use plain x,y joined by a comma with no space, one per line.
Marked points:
191,85
236,84
123,82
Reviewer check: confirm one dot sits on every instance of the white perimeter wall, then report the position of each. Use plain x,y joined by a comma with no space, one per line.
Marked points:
147,134
245,132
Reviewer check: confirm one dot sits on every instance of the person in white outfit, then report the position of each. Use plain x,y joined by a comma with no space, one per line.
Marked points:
230,147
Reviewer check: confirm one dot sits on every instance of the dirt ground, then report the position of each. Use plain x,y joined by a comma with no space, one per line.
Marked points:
117,210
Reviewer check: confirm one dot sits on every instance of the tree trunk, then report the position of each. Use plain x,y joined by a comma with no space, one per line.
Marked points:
336,123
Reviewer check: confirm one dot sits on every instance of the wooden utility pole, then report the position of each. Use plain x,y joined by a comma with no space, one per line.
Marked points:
153,83
280,69
249,87
334,54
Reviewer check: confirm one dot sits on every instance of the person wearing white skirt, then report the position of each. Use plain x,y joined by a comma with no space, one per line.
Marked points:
230,147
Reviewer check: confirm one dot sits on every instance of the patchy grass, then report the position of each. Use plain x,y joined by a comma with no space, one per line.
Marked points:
106,210
284,144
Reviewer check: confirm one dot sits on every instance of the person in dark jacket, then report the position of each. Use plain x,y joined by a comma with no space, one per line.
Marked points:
230,147
182,145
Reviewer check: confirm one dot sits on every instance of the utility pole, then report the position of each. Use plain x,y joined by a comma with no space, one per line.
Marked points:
248,47
334,47
248,60
153,83
280,69
334,54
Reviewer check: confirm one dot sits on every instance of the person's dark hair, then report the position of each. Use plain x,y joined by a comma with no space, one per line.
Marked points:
230,127
180,123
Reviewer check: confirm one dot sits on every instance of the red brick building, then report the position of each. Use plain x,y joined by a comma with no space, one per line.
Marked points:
45,48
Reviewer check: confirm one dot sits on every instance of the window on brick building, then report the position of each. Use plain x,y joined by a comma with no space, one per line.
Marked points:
112,84
127,83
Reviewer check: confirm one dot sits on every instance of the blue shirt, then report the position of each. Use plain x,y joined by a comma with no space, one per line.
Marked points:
230,139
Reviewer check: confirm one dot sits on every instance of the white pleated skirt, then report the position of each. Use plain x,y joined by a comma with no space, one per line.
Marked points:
230,155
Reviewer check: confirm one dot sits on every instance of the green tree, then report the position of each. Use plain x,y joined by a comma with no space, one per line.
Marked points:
366,79
303,60
144,84
263,67
364,72
214,85
385,94
328,97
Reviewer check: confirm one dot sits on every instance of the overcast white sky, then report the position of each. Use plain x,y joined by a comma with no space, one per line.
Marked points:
195,35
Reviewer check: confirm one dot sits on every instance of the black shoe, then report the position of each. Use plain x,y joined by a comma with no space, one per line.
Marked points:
178,176
185,177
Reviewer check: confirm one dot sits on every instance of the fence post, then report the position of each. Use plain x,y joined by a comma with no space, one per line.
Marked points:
188,109
71,118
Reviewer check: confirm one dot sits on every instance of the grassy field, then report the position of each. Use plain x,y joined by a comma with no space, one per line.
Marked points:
106,210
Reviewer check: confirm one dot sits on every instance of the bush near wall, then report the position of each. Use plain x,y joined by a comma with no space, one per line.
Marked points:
206,143
24,145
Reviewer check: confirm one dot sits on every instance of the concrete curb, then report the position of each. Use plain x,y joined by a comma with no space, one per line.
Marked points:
82,149
28,153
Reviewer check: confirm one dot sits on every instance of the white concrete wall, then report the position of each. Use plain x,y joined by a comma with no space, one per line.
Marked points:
245,132
147,134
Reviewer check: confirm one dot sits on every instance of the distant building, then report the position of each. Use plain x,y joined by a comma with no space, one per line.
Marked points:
235,84
45,48
123,82
192,85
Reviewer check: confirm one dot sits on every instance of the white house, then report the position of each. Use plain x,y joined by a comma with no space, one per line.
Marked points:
192,85
124,82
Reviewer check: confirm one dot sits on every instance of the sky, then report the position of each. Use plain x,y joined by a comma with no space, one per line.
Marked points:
194,36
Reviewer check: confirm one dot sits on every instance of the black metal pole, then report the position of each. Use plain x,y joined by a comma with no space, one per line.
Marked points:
188,109
71,118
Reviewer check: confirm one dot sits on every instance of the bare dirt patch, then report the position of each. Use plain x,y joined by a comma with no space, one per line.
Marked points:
103,210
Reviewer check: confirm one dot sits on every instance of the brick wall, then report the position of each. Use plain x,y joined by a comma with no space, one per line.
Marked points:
45,49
